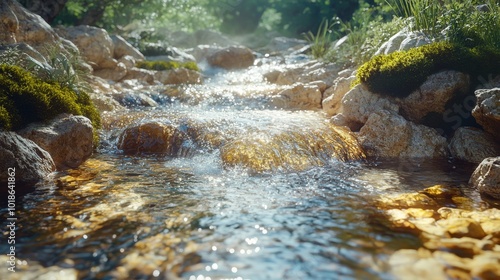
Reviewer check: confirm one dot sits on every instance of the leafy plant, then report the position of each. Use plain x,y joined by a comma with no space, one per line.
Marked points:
363,40
321,41
425,14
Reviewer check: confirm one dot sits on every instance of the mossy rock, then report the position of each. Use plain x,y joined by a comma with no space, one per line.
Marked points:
25,99
167,65
400,73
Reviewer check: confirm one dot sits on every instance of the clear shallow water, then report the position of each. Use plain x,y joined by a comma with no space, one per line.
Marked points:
147,217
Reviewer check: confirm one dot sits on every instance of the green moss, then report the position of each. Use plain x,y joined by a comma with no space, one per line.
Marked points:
167,65
400,73
26,99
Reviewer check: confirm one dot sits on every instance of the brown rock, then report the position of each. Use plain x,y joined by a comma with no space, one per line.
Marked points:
407,200
113,74
441,192
178,76
486,177
387,134
21,25
486,266
415,265
305,97
233,57
140,74
151,138
434,94
333,96
94,43
359,103
462,227
487,110
67,138
473,145
123,48
31,162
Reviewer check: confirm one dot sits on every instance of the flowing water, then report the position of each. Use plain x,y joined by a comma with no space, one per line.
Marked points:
254,193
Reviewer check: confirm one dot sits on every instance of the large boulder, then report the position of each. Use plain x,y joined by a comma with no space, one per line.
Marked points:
359,103
486,177
178,76
387,134
434,94
300,96
334,94
95,45
67,138
151,138
122,48
473,145
487,110
234,57
30,162
403,40
305,73
117,73
17,24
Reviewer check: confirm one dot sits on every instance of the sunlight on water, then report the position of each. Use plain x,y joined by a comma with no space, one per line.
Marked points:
257,193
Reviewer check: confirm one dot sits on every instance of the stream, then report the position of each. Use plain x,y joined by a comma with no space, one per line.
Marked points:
298,205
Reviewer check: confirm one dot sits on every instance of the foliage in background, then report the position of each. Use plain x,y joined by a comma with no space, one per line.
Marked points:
399,73
166,65
113,15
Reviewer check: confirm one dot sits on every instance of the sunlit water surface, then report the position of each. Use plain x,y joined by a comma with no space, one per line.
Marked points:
192,217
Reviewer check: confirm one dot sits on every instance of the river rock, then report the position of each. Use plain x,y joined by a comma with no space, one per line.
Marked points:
434,94
234,57
485,266
115,74
387,134
473,145
128,61
123,48
403,40
178,76
95,45
284,45
487,110
306,73
144,75
20,25
151,138
334,94
486,177
67,138
359,103
304,97
416,265
31,162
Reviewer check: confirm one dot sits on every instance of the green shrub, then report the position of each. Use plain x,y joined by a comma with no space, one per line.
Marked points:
321,41
167,65
400,73
26,99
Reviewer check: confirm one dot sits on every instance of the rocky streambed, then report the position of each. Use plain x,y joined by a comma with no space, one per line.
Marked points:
264,165
218,181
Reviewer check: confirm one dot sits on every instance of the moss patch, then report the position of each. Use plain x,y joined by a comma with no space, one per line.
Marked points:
400,73
167,65
25,99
